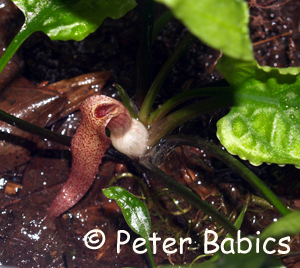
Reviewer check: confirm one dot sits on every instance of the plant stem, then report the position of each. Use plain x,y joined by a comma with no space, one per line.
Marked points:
160,78
143,63
33,129
236,166
22,35
149,250
164,126
158,114
182,191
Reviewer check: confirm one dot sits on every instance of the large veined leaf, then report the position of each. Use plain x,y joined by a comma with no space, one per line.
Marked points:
264,123
220,24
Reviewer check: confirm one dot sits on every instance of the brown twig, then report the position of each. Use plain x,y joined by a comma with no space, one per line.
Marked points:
271,38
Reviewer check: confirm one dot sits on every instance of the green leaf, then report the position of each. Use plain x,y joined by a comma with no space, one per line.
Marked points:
264,123
221,24
155,173
134,210
128,103
238,71
135,213
65,19
285,226
237,224
288,225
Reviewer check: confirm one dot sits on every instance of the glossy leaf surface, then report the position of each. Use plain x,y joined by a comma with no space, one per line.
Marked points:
64,20
134,210
221,24
264,123
135,213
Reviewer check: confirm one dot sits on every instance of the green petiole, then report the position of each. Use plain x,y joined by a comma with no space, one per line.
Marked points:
237,166
143,60
155,173
172,103
169,123
22,35
160,78
34,129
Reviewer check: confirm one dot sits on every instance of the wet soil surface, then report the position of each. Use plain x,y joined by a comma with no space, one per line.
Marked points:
26,191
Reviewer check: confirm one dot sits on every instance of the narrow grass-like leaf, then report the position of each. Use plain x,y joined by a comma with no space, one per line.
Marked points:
237,224
128,103
160,78
169,105
235,165
34,129
160,23
155,173
161,128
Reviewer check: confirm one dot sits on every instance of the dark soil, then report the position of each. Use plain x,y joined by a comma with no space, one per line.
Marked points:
26,241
